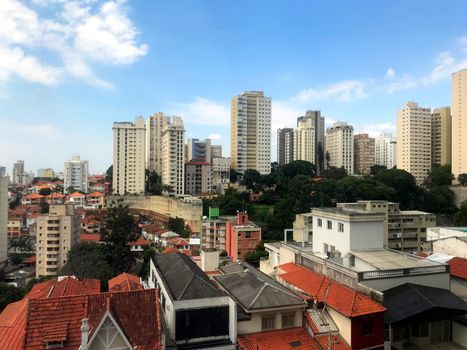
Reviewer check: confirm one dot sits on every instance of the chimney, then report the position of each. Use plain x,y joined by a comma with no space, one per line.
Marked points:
84,333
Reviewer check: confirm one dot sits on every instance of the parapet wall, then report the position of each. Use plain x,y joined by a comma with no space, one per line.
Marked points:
189,210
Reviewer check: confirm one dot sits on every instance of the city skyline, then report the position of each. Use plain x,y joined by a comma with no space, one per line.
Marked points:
343,69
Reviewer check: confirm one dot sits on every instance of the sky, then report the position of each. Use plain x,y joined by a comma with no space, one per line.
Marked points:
69,69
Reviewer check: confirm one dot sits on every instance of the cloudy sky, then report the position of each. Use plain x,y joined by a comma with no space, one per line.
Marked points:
69,69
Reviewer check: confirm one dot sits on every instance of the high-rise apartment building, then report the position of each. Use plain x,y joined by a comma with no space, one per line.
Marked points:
216,151
364,154
198,150
155,125
441,140
309,137
220,174
3,218
46,173
56,233
285,146
414,140
459,122
19,175
198,177
340,146
2,171
129,145
76,172
250,138
386,151
173,155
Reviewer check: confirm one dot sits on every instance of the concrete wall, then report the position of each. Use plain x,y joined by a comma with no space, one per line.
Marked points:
343,323
460,194
451,246
255,324
170,206
459,334
439,280
459,287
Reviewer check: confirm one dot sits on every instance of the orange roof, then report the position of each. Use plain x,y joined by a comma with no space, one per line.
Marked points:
338,343
170,250
458,267
341,298
124,283
30,260
140,241
90,237
63,286
77,194
289,267
56,195
33,196
13,325
178,241
284,339
95,194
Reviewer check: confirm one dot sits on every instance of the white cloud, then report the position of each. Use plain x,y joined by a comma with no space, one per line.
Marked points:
215,137
446,64
203,112
390,73
284,115
374,130
403,83
343,91
78,32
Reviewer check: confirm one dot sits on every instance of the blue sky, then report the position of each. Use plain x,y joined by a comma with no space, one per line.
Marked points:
68,69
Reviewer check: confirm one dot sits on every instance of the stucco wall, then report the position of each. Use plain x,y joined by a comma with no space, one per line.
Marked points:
255,324
439,280
343,323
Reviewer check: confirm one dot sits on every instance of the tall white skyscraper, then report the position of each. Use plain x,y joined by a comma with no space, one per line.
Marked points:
173,155
19,174
250,138
155,125
76,172
340,146
129,157
414,140
386,150
3,218
459,122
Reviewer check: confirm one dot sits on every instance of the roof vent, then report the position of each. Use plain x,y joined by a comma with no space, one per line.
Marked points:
295,344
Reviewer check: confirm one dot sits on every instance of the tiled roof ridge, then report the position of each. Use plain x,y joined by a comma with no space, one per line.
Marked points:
354,299
255,299
26,323
412,286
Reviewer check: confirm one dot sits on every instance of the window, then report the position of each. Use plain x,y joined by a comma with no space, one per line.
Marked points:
267,323
367,325
247,234
320,222
329,223
341,227
288,320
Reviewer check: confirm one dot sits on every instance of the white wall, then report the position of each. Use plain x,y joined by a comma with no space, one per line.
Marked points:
439,280
451,246
459,287
366,235
343,323
255,324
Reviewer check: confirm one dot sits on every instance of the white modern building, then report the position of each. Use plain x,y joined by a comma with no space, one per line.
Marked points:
250,138
459,125
3,218
76,172
386,150
199,150
340,146
129,145
173,155
155,125
20,177
220,174
414,140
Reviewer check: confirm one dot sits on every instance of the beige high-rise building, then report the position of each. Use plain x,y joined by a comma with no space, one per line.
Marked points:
250,138
129,146
173,155
56,233
3,218
414,140
309,137
386,151
76,172
364,154
155,125
339,145
198,175
459,122
441,136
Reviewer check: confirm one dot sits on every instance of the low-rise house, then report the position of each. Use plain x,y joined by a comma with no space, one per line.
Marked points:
293,338
164,238
263,304
32,199
78,199
196,313
125,282
139,245
14,227
64,286
91,224
95,200
56,198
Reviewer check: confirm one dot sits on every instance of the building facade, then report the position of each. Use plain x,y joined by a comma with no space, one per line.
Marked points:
56,233
220,174
3,218
386,151
198,177
414,140
155,125
76,172
129,141
19,174
364,154
173,155
285,146
250,138
340,146
242,236
441,141
216,151
199,150
459,122
309,137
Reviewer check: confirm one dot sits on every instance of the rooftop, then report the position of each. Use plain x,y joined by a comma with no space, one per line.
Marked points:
284,339
124,283
458,267
63,286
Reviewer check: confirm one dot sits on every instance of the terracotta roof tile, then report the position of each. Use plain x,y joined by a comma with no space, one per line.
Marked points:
284,339
12,325
170,250
124,283
338,343
89,237
76,194
178,241
140,241
63,286
95,194
33,196
458,267
30,260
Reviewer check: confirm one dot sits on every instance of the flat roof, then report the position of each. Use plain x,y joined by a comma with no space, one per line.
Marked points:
347,211
386,259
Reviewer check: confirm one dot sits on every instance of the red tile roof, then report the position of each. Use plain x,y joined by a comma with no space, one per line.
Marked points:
31,323
33,196
140,241
56,195
30,260
458,267
284,339
13,325
63,286
90,237
178,241
77,194
341,298
95,194
170,250
124,283
289,267
337,342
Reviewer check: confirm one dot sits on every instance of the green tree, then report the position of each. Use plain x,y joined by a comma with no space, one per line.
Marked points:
176,225
327,157
462,178
295,168
440,175
254,258
376,169
153,183
439,200
321,159
408,194
335,173
44,207
109,174
461,216
233,175
251,179
13,204
9,294
45,191
120,229
147,254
